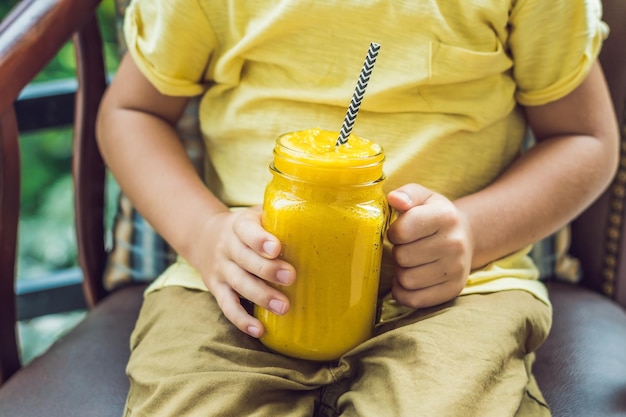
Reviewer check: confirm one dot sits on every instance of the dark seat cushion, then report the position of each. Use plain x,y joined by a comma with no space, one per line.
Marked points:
83,374
581,368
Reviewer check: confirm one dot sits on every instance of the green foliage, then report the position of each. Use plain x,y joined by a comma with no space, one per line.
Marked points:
47,238
46,159
6,6
46,234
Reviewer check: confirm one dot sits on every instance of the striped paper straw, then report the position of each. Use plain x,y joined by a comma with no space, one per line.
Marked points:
359,92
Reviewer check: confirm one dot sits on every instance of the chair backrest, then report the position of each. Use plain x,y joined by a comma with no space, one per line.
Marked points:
598,234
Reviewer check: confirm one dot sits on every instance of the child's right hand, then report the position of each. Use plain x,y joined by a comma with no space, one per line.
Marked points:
241,260
233,253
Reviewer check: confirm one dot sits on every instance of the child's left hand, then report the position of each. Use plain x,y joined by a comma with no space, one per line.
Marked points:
432,247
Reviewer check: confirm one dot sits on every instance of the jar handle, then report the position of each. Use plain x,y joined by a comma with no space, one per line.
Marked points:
389,310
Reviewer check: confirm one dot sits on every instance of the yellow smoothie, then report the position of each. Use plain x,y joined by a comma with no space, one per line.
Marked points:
327,207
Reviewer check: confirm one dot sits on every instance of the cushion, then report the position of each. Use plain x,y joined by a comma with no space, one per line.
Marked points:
581,367
83,373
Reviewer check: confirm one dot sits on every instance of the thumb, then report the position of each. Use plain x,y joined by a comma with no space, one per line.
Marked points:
408,196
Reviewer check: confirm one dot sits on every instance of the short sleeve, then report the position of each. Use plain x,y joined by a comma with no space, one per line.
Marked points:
553,44
171,42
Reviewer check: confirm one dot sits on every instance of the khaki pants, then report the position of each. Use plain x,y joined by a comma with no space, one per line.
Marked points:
469,357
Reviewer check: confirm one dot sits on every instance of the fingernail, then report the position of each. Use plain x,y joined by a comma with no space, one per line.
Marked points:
278,306
404,196
253,331
284,276
269,247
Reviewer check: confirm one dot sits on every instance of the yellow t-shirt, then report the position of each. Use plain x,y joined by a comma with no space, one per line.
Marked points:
442,101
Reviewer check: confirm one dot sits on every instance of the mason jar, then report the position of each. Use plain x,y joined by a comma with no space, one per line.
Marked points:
326,205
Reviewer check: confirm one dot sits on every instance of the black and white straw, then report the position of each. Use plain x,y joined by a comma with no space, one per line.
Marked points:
359,92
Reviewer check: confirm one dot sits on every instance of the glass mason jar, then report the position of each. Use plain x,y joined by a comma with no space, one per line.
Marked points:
327,207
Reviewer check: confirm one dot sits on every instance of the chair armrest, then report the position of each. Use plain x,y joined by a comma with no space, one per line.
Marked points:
30,36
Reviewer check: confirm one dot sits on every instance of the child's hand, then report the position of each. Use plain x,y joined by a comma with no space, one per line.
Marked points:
432,247
241,261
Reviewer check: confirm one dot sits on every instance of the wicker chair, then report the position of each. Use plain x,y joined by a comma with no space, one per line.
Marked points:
581,368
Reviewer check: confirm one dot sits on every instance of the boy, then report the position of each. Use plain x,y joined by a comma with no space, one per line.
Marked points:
455,87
